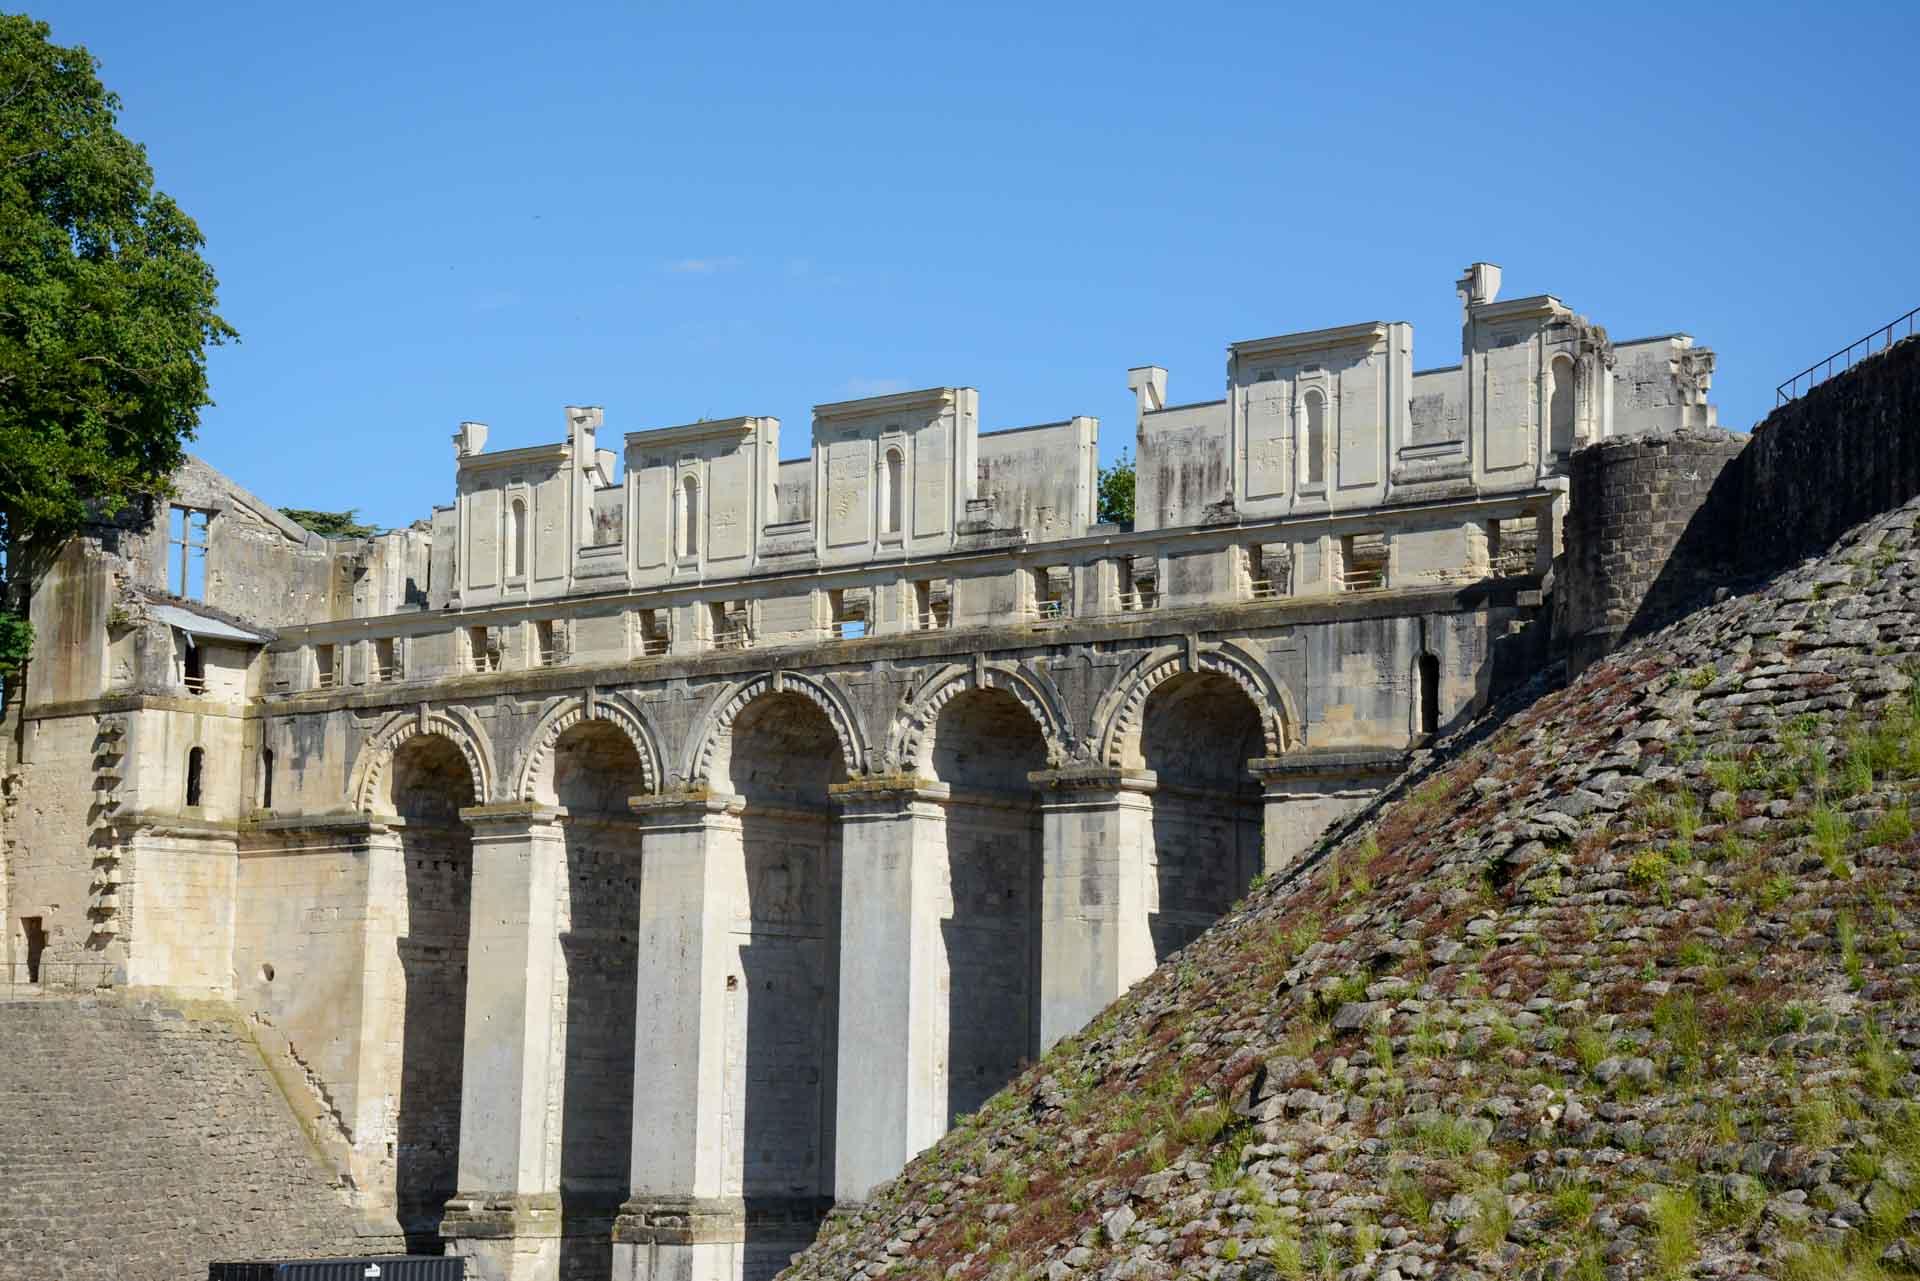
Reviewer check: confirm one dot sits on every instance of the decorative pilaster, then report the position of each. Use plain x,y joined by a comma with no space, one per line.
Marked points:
505,1220
895,891
1096,892
678,1223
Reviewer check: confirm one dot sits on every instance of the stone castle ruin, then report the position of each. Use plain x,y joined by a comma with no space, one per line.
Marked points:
624,865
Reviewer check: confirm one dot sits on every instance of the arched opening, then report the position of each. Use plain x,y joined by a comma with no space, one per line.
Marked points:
1197,733
781,1018
982,746
517,539
426,786
892,475
1314,409
593,770
266,778
1429,682
196,764
689,516
1560,405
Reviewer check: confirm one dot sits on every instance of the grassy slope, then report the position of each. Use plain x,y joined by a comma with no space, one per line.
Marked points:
1628,990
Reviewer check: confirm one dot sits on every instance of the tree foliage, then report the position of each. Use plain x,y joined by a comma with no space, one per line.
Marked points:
1116,490
106,312
329,524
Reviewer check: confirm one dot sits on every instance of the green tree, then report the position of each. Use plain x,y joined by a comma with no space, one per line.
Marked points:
1116,490
329,524
106,312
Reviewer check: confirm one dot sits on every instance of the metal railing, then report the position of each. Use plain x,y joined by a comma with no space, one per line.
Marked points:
1364,578
195,684
1267,589
732,638
1885,336
932,620
483,663
847,629
1136,602
1049,611
654,646
56,976
384,673
326,678
1513,564
548,657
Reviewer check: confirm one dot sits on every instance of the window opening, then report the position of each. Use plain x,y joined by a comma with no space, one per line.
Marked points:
891,476
193,672
187,548
546,653
1560,405
1429,695
1316,412
517,539
689,517
385,668
325,671
36,945
266,778
195,758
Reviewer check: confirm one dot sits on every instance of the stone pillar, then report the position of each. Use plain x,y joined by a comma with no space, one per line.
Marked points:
680,1223
895,891
1096,891
505,1220
1302,794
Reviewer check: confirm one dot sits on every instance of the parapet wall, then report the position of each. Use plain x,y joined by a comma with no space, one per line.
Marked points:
1847,450
1656,522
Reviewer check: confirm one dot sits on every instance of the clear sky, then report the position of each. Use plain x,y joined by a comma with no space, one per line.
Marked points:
422,214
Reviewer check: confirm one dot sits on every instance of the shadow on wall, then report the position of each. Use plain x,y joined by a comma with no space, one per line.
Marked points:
984,745
595,770
781,1006
430,785
1197,733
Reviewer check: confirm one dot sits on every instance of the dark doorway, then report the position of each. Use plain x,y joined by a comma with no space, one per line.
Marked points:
1429,695
195,757
36,944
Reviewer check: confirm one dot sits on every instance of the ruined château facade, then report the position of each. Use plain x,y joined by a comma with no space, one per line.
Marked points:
626,863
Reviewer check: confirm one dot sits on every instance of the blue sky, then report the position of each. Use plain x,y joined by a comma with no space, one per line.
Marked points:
422,214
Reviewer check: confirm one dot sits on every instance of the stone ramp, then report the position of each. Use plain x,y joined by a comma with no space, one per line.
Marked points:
137,1143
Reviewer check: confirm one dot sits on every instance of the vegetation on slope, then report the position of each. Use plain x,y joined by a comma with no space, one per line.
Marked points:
1631,990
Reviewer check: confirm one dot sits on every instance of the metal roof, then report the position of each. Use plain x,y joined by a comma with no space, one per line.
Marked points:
200,625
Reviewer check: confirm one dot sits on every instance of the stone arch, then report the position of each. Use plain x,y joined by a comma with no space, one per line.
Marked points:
717,724
456,725
571,711
1121,710
910,736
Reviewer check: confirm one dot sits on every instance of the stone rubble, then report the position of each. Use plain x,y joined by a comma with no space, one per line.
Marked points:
1626,986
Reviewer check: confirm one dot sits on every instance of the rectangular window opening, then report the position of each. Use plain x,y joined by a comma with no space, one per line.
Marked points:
385,668
187,531
36,936
326,672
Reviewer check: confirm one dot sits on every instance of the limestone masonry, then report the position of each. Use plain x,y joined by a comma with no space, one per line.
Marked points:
625,864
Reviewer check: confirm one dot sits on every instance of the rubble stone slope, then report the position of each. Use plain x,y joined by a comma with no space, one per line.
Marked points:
139,1145
1630,989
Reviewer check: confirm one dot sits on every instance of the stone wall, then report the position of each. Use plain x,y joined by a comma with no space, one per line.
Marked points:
138,1145
1658,521
1653,523
1847,450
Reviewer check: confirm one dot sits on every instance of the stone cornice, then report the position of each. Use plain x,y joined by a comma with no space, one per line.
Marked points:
1312,339
688,433
881,406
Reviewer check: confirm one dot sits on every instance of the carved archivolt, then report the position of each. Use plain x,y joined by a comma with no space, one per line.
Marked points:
1122,709
910,739
569,712
717,725
452,724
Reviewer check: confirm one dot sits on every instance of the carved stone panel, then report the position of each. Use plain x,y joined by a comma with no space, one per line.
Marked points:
1269,443
848,475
